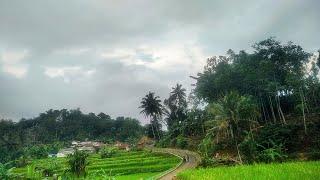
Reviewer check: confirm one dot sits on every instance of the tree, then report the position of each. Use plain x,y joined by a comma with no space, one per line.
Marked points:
152,108
77,163
318,62
176,109
274,75
233,114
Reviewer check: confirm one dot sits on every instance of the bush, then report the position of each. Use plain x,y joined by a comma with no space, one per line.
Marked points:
107,152
33,172
273,153
286,135
207,147
4,172
164,142
37,151
77,163
314,155
248,148
22,161
182,142
48,169
55,147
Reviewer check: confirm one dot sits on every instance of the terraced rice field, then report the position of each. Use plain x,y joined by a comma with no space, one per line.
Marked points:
124,165
281,171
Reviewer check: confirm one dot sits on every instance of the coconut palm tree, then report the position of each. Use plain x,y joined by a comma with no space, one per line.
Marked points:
176,106
152,108
178,95
229,113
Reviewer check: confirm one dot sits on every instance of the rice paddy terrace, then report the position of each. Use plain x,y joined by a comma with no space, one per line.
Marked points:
124,165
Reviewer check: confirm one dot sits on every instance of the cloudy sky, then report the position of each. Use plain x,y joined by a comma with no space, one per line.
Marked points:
105,55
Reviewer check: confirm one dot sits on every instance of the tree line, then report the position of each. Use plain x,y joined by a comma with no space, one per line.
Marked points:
259,106
63,126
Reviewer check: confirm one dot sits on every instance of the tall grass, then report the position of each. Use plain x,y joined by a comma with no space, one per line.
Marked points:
283,171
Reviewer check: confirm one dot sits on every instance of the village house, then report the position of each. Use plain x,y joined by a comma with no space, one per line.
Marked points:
122,146
88,146
145,142
65,152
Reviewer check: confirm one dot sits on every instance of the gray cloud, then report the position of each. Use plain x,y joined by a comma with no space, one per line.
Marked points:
106,55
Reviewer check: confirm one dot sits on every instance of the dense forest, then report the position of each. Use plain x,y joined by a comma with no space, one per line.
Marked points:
245,107
259,106
57,128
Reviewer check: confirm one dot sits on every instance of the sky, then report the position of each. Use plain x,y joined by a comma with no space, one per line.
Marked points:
105,55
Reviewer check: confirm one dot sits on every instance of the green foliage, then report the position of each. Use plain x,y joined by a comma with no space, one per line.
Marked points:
176,110
165,141
182,142
292,170
37,151
151,107
33,172
78,162
206,147
107,152
274,152
249,149
4,172
314,154
51,130
124,164
22,161
210,162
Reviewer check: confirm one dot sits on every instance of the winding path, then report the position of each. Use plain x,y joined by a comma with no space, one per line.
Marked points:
191,160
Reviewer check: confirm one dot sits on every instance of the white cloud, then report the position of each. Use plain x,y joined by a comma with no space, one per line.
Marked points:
169,57
145,45
69,73
72,51
12,63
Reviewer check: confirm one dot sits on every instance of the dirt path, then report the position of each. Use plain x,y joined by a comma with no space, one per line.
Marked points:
192,160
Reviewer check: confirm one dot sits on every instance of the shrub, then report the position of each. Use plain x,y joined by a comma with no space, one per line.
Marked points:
207,147
55,147
248,148
77,163
33,172
182,142
22,161
4,172
164,142
107,152
37,151
48,169
273,153
314,154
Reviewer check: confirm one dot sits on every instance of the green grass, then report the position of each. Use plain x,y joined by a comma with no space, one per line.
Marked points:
124,165
283,171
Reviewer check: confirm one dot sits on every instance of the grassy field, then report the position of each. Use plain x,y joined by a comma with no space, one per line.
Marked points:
284,171
125,165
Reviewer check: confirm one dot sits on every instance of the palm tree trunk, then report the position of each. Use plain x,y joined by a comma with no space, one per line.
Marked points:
271,107
264,112
154,135
158,132
280,111
238,152
303,114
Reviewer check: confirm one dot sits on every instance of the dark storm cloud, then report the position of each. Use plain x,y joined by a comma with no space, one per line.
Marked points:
105,55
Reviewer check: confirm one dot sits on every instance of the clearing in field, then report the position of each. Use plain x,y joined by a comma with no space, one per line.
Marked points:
124,165
292,170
